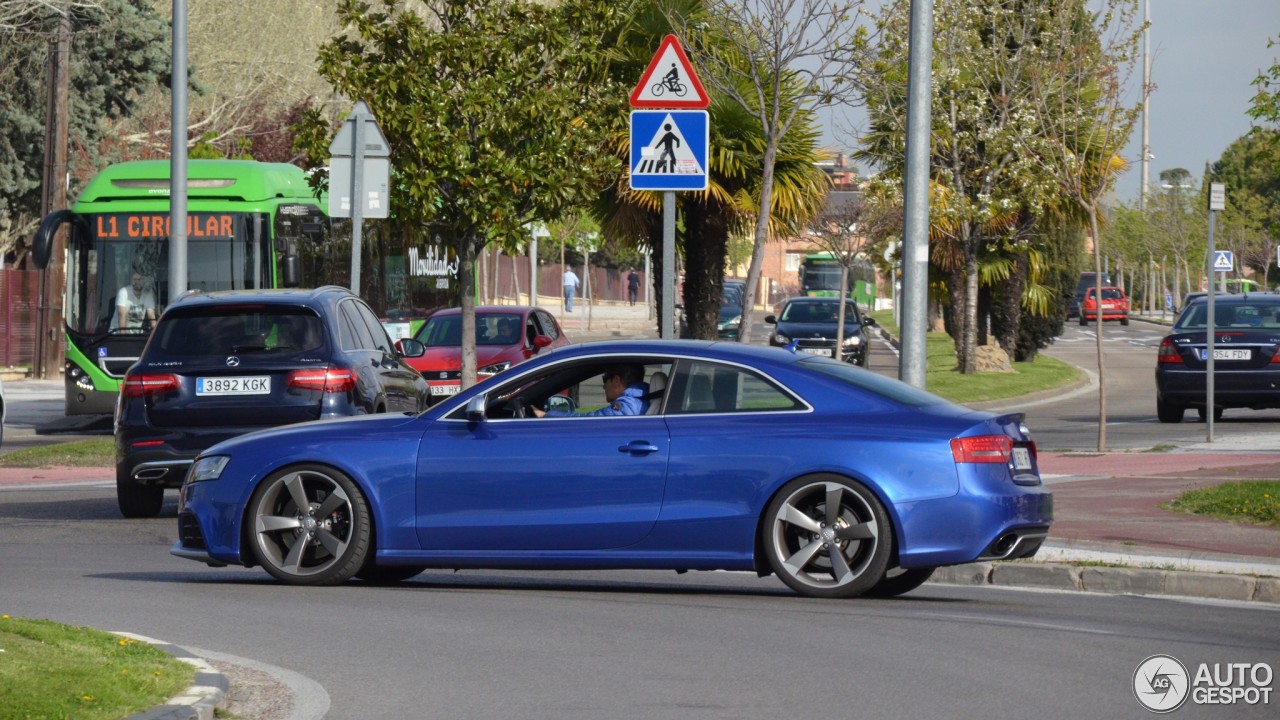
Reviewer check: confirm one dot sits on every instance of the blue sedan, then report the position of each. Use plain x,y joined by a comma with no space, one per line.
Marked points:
722,457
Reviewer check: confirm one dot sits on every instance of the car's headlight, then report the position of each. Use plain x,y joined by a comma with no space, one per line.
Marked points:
731,322
208,468
853,340
781,339
494,369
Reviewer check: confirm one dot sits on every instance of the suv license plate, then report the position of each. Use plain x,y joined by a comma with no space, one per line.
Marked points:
255,385
1240,354
1021,459
824,352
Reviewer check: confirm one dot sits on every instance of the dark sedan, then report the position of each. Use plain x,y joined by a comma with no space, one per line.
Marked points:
839,481
811,323
1246,357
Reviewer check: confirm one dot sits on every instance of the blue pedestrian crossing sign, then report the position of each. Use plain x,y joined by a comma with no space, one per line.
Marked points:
1223,260
669,149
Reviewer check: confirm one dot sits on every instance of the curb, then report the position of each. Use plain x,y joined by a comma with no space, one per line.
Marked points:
1113,580
208,692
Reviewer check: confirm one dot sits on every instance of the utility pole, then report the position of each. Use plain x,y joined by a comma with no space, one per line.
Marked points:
915,225
51,321
1146,138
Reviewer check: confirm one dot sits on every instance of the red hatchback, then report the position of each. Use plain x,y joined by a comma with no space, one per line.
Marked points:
1115,306
506,335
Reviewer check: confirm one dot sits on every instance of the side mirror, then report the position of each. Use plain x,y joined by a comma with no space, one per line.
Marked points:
476,408
408,347
770,320
540,341
868,321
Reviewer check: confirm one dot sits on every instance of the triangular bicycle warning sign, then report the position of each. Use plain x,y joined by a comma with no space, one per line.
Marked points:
669,81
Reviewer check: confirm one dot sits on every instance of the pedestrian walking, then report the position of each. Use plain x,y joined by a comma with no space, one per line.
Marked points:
571,283
633,285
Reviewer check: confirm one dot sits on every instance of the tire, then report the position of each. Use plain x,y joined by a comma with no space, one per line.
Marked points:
1124,320
1217,413
1169,412
804,540
388,574
136,500
1083,321
899,582
324,544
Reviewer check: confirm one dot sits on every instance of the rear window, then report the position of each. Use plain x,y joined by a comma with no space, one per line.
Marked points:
1254,314
244,329
887,388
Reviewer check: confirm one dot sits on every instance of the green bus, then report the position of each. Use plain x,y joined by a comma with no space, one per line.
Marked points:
820,277
246,221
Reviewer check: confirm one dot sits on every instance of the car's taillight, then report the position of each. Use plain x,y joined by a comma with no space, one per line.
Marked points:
143,385
982,449
1276,358
330,380
1168,353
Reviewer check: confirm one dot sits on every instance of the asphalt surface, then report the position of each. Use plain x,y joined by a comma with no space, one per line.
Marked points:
1112,532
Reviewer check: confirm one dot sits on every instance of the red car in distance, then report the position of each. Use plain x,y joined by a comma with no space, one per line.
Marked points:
506,335
1115,306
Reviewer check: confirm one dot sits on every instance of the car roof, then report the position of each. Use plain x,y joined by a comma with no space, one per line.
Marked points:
488,310
753,355
1237,298
278,296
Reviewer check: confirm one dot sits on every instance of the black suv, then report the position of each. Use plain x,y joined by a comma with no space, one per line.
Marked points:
224,363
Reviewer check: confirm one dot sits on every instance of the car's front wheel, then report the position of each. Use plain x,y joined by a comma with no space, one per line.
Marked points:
137,500
827,536
309,525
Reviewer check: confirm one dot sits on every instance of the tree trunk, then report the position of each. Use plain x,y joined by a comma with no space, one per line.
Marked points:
1009,302
1102,375
704,250
969,350
761,236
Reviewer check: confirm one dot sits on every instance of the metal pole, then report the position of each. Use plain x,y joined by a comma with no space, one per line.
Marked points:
357,200
915,251
533,268
666,314
1217,201
178,157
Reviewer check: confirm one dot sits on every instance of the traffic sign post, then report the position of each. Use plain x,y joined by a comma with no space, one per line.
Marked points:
1217,202
360,166
669,149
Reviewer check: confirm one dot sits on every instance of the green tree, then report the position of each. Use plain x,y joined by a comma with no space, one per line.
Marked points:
119,50
985,188
497,114
1250,170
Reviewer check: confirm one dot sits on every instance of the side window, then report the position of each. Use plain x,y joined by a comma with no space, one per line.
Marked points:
364,340
715,388
381,340
548,325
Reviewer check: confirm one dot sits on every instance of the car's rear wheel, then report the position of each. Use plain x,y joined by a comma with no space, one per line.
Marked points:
1217,413
309,525
828,537
899,581
1124,320
1169,412
137,500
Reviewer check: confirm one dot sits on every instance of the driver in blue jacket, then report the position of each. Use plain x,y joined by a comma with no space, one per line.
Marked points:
624,388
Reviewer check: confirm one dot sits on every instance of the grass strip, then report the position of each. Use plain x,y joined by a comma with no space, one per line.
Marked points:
1251,501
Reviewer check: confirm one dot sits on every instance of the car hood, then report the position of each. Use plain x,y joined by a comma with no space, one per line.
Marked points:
450,358
315,431
803,330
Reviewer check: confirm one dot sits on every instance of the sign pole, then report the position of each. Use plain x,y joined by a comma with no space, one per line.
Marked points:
1217,201
357,201
666,316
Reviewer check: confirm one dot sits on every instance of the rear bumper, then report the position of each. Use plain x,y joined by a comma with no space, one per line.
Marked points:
1258,389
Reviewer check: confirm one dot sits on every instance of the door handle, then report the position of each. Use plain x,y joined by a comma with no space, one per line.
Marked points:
638,447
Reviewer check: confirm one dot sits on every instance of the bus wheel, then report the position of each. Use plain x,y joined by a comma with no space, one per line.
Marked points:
136,500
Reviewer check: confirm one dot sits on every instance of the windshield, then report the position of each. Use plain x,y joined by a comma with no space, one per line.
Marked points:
818,312
491,329
118,265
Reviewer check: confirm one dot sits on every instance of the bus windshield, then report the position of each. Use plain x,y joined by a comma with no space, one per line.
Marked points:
121,260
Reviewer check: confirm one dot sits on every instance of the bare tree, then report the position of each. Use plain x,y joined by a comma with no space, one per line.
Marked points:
17,15
757,53
848,227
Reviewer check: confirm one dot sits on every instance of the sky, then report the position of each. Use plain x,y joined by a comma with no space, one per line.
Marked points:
1204,56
